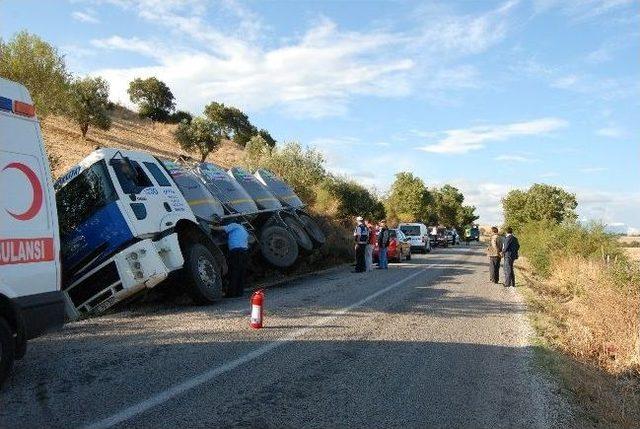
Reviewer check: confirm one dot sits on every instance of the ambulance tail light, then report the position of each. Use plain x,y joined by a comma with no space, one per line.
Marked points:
23,109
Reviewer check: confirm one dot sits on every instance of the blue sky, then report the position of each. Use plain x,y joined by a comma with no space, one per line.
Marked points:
484,95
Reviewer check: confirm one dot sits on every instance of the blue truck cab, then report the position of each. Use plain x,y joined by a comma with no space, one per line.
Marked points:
124,227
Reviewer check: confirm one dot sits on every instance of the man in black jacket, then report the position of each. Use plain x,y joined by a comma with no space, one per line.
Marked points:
361,238
510,247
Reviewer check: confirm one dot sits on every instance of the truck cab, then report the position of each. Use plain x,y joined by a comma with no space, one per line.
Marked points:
125,226
30,297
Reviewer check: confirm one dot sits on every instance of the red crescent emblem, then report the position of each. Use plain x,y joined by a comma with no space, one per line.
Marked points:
36,202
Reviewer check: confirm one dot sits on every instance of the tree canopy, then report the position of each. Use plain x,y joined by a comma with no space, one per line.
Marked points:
89,103
28,59
201,135
232,121
153,98
539,203
408,199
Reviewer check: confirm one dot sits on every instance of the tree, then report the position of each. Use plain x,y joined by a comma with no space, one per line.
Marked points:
89,103
28,59
232,121
408,199
257,153
267,137
539,203
351,199
201,135
180,116
153,97
449,208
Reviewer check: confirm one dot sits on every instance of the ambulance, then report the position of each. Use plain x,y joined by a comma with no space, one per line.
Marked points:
30,298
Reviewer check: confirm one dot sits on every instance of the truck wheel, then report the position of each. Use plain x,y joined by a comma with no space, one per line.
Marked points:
313,229
202,274
7,350
298,231
278,246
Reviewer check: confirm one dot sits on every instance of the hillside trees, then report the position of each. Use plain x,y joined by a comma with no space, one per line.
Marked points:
232,121
200,135
408,199
450,209
153,97
89,103
539,203
28,59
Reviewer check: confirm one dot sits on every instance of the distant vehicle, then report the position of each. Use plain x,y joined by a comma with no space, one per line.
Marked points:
475,233
30,297
418,234
441,238
452,236
398,249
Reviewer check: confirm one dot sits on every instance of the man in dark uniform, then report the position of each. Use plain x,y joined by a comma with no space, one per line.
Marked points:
361,237
510,248
237,258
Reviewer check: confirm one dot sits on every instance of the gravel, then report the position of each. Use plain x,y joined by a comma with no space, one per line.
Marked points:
428,343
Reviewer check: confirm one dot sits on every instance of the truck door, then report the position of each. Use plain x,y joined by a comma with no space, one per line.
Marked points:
149,197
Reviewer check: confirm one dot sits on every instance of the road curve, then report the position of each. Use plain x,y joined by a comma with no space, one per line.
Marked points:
428,343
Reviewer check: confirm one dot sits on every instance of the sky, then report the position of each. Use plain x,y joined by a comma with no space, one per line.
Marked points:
485,95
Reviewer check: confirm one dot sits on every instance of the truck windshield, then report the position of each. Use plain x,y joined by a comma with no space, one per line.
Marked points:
410,229
83,196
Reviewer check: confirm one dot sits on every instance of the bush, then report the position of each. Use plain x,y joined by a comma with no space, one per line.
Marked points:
544,242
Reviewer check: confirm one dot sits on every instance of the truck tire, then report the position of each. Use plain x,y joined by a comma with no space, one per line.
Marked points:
7,350
313,229
299,232
202,274
278,246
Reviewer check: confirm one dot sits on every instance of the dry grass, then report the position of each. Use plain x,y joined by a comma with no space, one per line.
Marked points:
589,312
629,241
63,140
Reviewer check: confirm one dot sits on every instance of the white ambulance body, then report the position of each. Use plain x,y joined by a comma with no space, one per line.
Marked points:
30,297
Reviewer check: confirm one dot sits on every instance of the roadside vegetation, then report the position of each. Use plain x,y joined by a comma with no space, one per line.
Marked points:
584,294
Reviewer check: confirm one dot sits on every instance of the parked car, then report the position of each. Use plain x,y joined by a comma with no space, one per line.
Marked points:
399,247
418,235
441,238
30,298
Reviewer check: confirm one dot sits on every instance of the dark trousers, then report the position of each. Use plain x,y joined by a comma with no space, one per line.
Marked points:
360,251
509,275
494,268
237,268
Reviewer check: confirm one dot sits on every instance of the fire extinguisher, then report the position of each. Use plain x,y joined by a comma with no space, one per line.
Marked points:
257,302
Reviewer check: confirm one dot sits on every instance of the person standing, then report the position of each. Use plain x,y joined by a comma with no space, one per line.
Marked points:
383,243
510,248
368,256
494,251
361,237
238,244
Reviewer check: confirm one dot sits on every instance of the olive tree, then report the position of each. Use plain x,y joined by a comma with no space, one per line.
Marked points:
201,135
153,98
89,103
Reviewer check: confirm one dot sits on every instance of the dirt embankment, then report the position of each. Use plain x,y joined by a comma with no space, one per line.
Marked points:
64,141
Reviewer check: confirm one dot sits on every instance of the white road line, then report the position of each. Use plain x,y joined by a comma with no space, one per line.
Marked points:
191,383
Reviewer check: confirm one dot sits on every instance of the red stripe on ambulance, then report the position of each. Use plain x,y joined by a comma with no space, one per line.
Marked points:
26,250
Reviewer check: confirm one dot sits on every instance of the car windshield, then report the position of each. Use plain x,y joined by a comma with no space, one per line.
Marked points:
410,229
83,196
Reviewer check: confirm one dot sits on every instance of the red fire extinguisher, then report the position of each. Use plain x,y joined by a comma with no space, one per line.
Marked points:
257,301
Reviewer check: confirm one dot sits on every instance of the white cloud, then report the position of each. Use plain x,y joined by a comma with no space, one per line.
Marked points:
513,158
611,132
582,9
86,16
314,74
549,174
464,140
600,55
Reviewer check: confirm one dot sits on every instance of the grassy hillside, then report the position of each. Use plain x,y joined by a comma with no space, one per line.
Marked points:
64,141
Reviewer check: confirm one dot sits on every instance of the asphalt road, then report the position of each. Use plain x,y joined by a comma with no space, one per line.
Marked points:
428,343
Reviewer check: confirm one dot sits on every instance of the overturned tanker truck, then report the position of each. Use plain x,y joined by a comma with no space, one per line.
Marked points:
283,232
